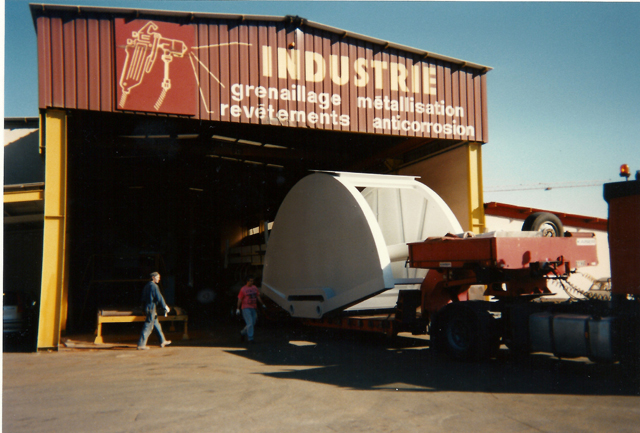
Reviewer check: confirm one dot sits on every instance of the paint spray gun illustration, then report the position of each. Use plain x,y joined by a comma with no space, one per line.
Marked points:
141,54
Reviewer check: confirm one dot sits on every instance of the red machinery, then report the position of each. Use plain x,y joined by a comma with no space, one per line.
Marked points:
509,265
514,268
515,271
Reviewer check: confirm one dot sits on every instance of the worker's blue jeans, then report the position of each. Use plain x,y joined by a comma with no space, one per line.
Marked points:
151,322
250,316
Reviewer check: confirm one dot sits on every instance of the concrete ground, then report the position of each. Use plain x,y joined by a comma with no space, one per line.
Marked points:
306,380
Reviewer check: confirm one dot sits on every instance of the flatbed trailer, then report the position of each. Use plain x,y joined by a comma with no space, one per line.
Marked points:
405,317
384,324
518,309
515,268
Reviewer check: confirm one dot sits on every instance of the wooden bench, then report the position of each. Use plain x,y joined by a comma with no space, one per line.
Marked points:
136,315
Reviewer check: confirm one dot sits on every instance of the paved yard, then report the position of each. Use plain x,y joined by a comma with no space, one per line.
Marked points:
306,380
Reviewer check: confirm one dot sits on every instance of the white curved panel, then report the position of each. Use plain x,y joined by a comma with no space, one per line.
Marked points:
325,250
332,246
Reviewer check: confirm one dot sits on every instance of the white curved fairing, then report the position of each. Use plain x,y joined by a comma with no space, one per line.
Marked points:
332,246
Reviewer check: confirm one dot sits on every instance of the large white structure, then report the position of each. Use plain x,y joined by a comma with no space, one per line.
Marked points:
340,238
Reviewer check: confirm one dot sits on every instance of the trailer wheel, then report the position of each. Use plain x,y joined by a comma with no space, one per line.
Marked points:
548,223
466,333
459,336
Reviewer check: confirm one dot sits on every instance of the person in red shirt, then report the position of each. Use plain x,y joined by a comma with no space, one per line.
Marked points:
248,299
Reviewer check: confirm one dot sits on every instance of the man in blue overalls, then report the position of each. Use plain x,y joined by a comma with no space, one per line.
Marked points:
151,297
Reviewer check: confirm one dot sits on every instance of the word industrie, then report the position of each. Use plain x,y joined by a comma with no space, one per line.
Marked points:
312,108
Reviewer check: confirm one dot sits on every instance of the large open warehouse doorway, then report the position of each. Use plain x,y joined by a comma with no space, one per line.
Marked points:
183,196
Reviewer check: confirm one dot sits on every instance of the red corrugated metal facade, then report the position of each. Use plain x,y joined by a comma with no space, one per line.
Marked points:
259,70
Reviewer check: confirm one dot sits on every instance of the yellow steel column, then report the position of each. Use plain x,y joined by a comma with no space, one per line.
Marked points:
54,280
476,197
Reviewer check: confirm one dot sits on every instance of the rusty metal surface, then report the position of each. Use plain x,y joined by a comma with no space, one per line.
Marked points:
258,70
503,252
624,235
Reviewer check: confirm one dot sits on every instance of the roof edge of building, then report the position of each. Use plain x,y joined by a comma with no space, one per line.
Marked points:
39,9
21,122
521,213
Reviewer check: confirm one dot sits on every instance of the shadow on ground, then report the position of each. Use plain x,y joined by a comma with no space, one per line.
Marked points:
365,361
358,360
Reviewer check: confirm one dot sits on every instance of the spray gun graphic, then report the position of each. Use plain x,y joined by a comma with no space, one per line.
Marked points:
141,54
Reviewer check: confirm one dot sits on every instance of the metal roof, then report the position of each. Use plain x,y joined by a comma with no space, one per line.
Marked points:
41,9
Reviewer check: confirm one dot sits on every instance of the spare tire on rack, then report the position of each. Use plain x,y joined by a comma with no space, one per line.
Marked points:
548,223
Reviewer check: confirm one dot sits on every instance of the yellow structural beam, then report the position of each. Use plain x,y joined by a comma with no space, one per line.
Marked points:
54,282
476,197
23,196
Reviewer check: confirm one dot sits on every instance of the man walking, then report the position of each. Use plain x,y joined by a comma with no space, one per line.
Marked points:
151,297
248,300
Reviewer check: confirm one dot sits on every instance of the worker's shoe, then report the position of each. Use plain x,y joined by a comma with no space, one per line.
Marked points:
143,348
242,337
166,343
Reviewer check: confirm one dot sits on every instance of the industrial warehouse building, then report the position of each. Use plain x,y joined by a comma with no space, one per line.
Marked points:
168,140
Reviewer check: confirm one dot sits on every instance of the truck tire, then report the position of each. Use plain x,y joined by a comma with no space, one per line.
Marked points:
466,333
548,223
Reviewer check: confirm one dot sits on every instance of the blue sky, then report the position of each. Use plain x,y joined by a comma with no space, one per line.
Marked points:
564,94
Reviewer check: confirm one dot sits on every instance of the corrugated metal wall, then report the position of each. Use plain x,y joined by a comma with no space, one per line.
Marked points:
78,70
76,63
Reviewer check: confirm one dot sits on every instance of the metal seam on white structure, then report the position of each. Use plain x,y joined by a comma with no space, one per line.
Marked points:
383,254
